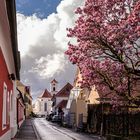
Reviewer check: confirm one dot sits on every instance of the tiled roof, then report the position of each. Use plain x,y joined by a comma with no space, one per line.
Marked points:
46,94
65,91
62,104
54,81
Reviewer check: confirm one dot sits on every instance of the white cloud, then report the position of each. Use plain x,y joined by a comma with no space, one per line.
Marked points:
42,43
32,28
47,66
66,14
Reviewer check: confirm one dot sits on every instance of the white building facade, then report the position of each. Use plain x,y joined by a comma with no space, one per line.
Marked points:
60,98
42,105
49,102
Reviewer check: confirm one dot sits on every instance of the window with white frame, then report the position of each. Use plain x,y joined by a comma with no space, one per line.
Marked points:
8,107
11,100
4,113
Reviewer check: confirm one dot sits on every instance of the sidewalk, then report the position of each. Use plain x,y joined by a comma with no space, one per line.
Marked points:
27,131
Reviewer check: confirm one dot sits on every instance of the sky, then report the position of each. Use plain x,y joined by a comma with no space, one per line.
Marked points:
42,8
42,41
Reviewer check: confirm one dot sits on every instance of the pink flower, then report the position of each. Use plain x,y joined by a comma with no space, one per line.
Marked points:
105,52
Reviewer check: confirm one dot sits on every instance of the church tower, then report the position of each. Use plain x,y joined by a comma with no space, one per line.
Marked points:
53,85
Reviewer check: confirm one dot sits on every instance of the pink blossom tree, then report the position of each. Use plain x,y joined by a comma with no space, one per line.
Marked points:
107,51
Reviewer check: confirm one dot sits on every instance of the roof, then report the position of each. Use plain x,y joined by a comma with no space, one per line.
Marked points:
65,91
62,104
11,12
19,83
54,81
46,94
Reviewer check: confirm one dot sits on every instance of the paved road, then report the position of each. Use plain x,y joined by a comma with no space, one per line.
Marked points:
50,131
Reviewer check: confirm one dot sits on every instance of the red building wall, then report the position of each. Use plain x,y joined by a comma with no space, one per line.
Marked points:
4,78
20,111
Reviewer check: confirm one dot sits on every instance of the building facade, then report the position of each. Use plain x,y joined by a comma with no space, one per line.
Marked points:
51,101
27,98
60,99
20,106
28,102
79,101
42,105
9,69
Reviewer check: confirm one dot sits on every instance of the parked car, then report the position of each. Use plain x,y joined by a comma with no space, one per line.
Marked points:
56,118
49,117
40,116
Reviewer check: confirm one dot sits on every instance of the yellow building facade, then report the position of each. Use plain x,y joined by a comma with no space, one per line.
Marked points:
25,90
83,97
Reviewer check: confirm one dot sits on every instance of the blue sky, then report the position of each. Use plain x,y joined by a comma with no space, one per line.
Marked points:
42,8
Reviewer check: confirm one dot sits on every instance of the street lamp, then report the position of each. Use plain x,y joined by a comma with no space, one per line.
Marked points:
75,92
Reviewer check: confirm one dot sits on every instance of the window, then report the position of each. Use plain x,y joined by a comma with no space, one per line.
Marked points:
11,101
8,107
45,106
4,113
53,88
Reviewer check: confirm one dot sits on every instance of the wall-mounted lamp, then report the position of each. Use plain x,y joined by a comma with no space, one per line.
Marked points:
11,76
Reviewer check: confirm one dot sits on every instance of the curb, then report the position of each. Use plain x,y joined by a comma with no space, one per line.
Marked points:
35,130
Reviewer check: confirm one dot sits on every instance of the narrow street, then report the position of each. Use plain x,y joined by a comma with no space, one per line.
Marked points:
75,62
51,131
